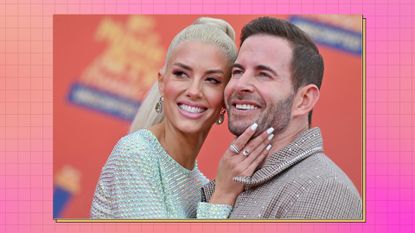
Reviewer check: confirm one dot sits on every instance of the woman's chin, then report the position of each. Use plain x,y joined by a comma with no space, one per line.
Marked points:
192,128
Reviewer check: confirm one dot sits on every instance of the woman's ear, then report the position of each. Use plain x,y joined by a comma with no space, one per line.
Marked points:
160,79
305,100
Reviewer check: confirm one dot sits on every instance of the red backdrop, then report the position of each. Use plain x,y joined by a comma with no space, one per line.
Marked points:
83,137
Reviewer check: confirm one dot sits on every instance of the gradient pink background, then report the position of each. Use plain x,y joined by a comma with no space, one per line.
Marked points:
26,111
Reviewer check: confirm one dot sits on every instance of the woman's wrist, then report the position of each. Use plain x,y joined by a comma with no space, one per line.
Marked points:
223,198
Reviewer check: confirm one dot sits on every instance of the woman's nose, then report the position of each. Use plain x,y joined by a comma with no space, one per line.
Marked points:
194,90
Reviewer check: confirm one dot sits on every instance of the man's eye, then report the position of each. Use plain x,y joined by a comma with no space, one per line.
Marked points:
264,75
236,72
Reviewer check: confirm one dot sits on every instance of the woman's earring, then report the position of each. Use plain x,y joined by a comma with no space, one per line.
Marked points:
159,105
221,116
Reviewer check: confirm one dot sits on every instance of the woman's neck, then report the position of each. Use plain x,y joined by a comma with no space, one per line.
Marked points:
182,147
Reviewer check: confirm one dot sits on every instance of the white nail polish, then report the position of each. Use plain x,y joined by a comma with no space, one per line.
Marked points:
254,126
271,136
268,147
270,130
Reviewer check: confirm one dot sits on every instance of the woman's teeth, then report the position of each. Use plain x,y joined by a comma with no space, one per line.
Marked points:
191,109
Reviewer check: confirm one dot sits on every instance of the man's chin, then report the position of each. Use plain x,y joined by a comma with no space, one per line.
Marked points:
238,129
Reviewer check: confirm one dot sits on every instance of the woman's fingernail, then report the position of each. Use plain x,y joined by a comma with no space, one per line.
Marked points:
268,147
254,126
270,137
270,130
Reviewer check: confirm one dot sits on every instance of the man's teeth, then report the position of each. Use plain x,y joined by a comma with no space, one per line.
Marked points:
191,109
245,107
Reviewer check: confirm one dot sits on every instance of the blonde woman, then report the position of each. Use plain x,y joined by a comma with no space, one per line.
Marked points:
152,172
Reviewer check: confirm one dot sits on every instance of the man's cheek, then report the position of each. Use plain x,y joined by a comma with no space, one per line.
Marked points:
227,93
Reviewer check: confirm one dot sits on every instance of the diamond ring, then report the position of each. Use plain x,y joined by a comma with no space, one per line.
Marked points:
245,153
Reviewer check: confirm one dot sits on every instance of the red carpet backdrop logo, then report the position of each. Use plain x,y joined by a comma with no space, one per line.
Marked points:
118,79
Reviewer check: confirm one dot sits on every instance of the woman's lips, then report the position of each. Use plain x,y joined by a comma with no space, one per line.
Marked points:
191,111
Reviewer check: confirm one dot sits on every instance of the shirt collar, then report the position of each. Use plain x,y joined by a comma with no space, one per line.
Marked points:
306,144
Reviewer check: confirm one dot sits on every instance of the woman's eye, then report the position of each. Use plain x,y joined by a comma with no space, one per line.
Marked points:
179,74
213,80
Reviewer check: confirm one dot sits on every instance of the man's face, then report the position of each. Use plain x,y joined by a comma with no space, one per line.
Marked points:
260,89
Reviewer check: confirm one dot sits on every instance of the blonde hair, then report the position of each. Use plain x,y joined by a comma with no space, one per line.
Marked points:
204,29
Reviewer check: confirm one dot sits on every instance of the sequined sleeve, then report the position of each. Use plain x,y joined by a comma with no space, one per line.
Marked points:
213,211
129,186
207,210
101,204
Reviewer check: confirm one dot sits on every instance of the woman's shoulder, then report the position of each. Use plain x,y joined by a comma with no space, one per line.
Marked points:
138,146
199,176
132,162
139,138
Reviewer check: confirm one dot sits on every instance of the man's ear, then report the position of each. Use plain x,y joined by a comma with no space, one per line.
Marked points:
305,100
161,80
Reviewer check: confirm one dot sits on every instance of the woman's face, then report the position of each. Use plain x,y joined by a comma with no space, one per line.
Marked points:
192,85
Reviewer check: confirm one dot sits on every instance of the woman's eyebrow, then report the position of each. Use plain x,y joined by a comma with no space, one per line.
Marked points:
213,71
186,67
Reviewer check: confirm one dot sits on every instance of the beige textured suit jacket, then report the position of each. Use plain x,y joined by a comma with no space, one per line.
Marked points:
297,182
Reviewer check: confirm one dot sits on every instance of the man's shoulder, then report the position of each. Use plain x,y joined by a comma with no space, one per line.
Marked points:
314,188
314,170
317,188
316,181
318,167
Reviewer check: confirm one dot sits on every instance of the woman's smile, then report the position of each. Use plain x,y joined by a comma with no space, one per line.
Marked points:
192,111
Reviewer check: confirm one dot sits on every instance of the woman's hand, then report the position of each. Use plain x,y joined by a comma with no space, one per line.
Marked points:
241,159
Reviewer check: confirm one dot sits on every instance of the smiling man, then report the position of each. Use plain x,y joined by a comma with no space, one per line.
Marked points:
276,83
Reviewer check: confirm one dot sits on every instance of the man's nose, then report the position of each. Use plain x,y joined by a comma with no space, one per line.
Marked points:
245,83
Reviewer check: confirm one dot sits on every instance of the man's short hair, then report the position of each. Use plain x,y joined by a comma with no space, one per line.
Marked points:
307,65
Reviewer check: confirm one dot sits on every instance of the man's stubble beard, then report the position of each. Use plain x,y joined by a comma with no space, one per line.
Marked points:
276,116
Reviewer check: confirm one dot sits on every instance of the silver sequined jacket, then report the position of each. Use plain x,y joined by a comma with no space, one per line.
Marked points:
297,182
141,181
